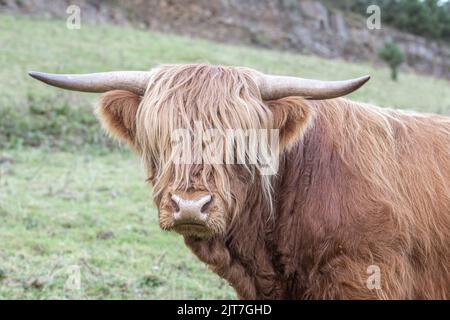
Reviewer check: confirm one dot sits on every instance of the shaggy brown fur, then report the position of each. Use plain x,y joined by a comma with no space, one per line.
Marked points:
357,186
118,114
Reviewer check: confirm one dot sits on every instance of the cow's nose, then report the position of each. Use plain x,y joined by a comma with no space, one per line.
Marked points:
190,210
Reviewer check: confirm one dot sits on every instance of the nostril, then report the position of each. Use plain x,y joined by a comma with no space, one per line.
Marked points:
175,206
206,206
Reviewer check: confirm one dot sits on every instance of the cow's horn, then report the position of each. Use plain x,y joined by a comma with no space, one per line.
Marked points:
134,81
276,87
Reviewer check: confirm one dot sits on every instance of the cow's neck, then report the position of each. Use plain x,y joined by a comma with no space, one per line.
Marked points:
242,256
250,257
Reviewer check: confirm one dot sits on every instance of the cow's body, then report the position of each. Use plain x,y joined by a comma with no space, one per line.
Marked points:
362,193
365,187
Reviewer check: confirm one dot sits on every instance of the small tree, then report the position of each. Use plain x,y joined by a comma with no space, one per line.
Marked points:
393,56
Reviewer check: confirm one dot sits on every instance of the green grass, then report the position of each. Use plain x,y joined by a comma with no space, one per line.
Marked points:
70,199
60,211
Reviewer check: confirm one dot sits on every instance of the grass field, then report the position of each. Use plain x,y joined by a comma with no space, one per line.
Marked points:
60,211
71,201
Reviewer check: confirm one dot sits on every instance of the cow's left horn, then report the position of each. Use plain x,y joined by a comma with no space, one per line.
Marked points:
276,87
134,81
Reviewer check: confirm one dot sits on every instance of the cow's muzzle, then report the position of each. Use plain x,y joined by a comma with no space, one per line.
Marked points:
190,211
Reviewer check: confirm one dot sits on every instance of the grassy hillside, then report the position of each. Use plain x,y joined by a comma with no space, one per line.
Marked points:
73,203
48,45
32,113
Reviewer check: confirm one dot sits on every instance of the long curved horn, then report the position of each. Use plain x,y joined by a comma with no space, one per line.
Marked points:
276,87
134,81
271,87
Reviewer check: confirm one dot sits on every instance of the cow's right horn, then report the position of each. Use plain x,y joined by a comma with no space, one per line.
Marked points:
134,81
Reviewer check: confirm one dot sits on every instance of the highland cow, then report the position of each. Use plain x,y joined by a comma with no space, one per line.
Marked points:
361,193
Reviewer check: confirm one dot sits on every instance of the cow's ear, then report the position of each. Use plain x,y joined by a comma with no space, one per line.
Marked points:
292,116
116,111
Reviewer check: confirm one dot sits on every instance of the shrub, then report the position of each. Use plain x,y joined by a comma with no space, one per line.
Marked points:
393,56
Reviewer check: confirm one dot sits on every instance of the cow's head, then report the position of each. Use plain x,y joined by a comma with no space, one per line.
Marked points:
188,123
